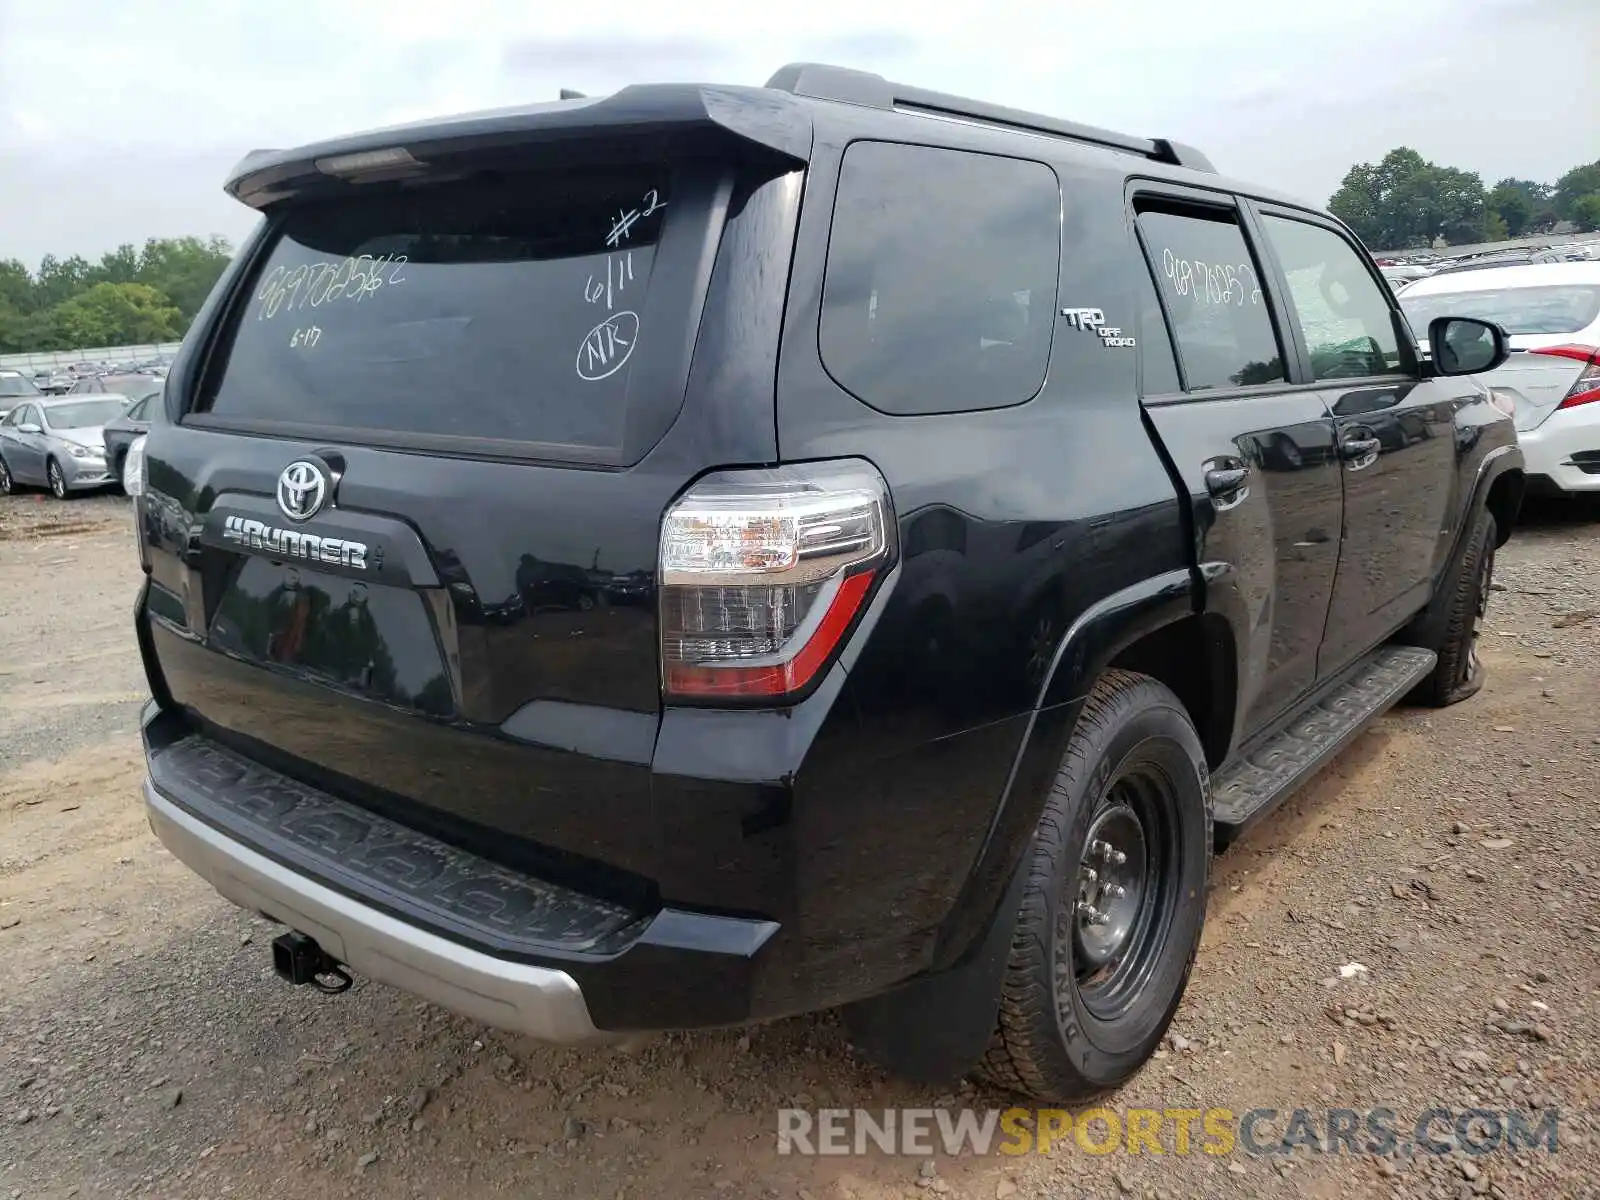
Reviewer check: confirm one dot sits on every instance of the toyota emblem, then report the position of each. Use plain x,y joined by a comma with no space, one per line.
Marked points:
302,490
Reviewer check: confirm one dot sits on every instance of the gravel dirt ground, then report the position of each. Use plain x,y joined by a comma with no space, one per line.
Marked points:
146,1048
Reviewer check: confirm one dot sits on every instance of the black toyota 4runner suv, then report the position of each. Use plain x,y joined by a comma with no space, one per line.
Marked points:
712,553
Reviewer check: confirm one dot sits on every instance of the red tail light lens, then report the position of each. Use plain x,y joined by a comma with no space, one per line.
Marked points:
763,574
1586,390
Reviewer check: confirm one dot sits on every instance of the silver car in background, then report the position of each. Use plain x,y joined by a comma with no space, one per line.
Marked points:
57,442
1551,311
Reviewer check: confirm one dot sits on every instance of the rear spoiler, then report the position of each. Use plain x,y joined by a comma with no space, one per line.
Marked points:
750,122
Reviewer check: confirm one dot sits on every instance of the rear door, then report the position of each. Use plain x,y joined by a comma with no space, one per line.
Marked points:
1254,452
403,533
1394,431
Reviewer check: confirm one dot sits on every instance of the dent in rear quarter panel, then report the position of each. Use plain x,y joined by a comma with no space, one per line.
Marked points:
1013,522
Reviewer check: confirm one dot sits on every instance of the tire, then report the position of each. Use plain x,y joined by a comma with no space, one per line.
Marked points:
8,485
1460,672
57,480
1134,776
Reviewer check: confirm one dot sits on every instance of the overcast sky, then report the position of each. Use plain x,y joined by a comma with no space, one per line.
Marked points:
119,118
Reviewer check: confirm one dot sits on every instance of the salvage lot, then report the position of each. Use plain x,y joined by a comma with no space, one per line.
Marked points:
145,1046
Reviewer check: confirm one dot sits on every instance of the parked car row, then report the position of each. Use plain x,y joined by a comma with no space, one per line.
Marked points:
1550,309
73,442
1403,271
62,380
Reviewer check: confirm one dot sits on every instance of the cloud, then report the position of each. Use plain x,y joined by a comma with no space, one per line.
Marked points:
876,46
667,57
118,122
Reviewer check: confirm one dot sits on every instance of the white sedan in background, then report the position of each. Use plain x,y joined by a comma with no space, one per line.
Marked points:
1552,313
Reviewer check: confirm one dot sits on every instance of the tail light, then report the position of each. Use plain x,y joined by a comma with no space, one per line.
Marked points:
133,468
1586,390
763,574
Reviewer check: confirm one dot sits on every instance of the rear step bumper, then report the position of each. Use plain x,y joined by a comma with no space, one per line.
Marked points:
540,1001
396,905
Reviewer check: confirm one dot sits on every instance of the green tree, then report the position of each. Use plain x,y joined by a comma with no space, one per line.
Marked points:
1370,200
185,269
1573,187
1405,201
16,286
117,266
111,314
59,280
14,333
1541,211
1586,212
1511,207
1449,202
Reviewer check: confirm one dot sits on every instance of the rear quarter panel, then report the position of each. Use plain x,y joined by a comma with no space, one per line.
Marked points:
1014,523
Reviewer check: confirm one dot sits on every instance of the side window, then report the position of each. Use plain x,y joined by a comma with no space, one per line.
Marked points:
1219,315
940,291
1156,362
136,413
1348,324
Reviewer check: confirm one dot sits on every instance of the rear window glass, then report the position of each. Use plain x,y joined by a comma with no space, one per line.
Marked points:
941,278
508,308
1562,309
1213,295
13,383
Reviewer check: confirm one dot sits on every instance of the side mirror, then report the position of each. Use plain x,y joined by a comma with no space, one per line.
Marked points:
1466,346
28,427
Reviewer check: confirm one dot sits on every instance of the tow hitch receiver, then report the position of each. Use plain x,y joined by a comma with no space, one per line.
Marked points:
297,958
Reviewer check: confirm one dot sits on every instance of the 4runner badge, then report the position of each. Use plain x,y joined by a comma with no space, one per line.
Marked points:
251,534
1094,320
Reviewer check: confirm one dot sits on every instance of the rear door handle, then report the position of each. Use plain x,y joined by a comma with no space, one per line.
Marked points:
1226,483
1360,452
1223,481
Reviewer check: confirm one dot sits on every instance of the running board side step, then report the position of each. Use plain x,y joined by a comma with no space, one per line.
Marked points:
1244,791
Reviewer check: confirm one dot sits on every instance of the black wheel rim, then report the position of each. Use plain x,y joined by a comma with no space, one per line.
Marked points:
1469,660
1117,906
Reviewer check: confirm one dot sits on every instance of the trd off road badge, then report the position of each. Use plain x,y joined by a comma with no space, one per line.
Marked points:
1094,321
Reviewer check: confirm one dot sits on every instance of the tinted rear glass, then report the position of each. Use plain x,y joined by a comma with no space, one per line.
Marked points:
507,308
1562,309
941,280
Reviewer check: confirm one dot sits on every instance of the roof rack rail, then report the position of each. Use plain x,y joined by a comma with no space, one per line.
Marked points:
848,86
